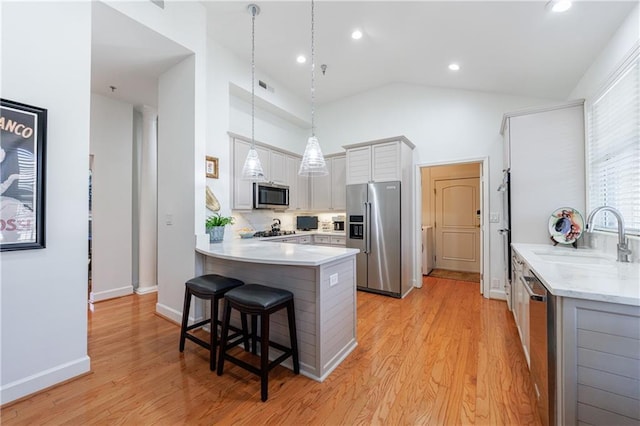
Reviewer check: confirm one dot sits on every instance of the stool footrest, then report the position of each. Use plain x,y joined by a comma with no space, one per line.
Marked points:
198,341
198,324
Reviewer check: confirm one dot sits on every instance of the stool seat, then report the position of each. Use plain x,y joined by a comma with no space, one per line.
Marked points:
210,287
212,283
258,296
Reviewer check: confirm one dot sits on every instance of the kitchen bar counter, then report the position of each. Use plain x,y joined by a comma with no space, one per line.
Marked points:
323,281
583,273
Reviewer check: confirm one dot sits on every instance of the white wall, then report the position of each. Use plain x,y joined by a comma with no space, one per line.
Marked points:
183,180
111,144
176,176
279,119
625,39
44,292
446,126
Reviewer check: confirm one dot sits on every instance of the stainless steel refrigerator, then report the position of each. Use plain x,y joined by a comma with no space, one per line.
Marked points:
374,227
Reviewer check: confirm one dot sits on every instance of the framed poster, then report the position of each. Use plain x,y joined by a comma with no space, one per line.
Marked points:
211,166
23,131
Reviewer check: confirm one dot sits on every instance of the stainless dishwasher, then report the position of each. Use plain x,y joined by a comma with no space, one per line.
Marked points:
542,349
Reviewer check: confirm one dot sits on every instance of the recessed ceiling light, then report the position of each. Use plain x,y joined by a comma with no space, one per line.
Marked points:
356,35
454,67
301,59
559,5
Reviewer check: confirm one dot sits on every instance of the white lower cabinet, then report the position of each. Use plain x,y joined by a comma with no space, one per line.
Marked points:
599,347
521,304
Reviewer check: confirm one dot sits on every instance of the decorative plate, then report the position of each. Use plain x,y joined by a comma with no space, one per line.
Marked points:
566,225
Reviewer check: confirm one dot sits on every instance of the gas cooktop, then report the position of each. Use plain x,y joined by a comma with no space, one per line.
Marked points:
273,233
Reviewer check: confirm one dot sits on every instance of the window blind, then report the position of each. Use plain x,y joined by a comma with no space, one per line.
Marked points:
613,150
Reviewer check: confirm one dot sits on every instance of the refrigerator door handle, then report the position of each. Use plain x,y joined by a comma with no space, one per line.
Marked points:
368,246
366,228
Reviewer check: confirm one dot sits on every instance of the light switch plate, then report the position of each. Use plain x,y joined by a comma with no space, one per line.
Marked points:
494,217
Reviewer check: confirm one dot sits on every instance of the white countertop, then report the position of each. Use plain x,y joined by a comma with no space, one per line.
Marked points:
261,250
595,277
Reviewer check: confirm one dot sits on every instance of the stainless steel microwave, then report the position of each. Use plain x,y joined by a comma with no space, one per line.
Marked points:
268,195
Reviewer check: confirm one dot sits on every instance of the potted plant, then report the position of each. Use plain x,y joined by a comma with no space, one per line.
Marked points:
215,226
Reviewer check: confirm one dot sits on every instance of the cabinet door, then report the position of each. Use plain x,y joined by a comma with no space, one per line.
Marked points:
292,181
303,189
243,189
278,168
321,239
385,162
358,165
321,191
338,183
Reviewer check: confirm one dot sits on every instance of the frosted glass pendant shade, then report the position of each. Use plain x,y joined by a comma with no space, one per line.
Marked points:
313,163
252,169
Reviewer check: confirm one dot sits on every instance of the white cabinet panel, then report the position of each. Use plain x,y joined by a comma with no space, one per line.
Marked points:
338,183
385,162
292,181
358,165
243,189
278,168
329,192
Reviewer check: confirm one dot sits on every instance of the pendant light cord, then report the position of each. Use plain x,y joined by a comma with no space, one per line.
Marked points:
313,72
253,73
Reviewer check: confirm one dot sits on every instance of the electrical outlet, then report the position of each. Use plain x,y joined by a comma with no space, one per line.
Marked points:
168,219
494,217
333,279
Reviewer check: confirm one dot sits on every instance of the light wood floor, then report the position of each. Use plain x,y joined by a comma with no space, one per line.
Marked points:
443,355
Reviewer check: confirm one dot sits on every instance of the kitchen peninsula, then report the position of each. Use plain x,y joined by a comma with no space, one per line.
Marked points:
323,281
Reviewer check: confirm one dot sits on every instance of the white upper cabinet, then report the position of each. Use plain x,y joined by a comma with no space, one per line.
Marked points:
339,183
379,161
298,185
242,193
329,192
278,168
359,165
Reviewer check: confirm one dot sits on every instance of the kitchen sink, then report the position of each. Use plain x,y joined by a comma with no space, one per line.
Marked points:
576,257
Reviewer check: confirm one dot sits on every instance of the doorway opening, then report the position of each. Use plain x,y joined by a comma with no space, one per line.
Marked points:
451,215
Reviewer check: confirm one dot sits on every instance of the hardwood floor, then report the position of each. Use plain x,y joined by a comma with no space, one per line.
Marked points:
442,355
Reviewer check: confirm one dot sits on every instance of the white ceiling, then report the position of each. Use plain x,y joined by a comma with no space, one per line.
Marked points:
128,56
512,47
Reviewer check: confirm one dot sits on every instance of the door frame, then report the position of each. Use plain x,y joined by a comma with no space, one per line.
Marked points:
485,258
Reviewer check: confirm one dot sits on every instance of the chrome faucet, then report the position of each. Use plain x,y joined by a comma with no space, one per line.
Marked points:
624,253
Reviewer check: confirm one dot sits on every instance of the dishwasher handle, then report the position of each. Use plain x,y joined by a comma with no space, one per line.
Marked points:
533,296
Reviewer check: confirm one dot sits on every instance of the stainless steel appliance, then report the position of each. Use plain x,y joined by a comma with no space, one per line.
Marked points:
268,195
542,349
338,225
373,226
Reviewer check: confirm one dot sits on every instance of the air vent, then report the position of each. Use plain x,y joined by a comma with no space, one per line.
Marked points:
265,86
159,3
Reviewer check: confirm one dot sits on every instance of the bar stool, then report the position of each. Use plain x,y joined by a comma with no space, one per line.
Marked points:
208,287
256,299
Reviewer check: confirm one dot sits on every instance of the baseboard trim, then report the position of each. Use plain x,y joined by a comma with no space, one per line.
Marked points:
110,294
495,293
169,313
44,379
147,290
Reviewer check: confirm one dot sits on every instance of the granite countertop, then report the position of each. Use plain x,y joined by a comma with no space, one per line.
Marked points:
256,250
583,273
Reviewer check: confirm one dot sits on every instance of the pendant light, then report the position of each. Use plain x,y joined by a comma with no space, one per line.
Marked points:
313,163
252,169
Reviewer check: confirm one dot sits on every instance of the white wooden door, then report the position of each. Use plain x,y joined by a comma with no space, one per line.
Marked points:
457,224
